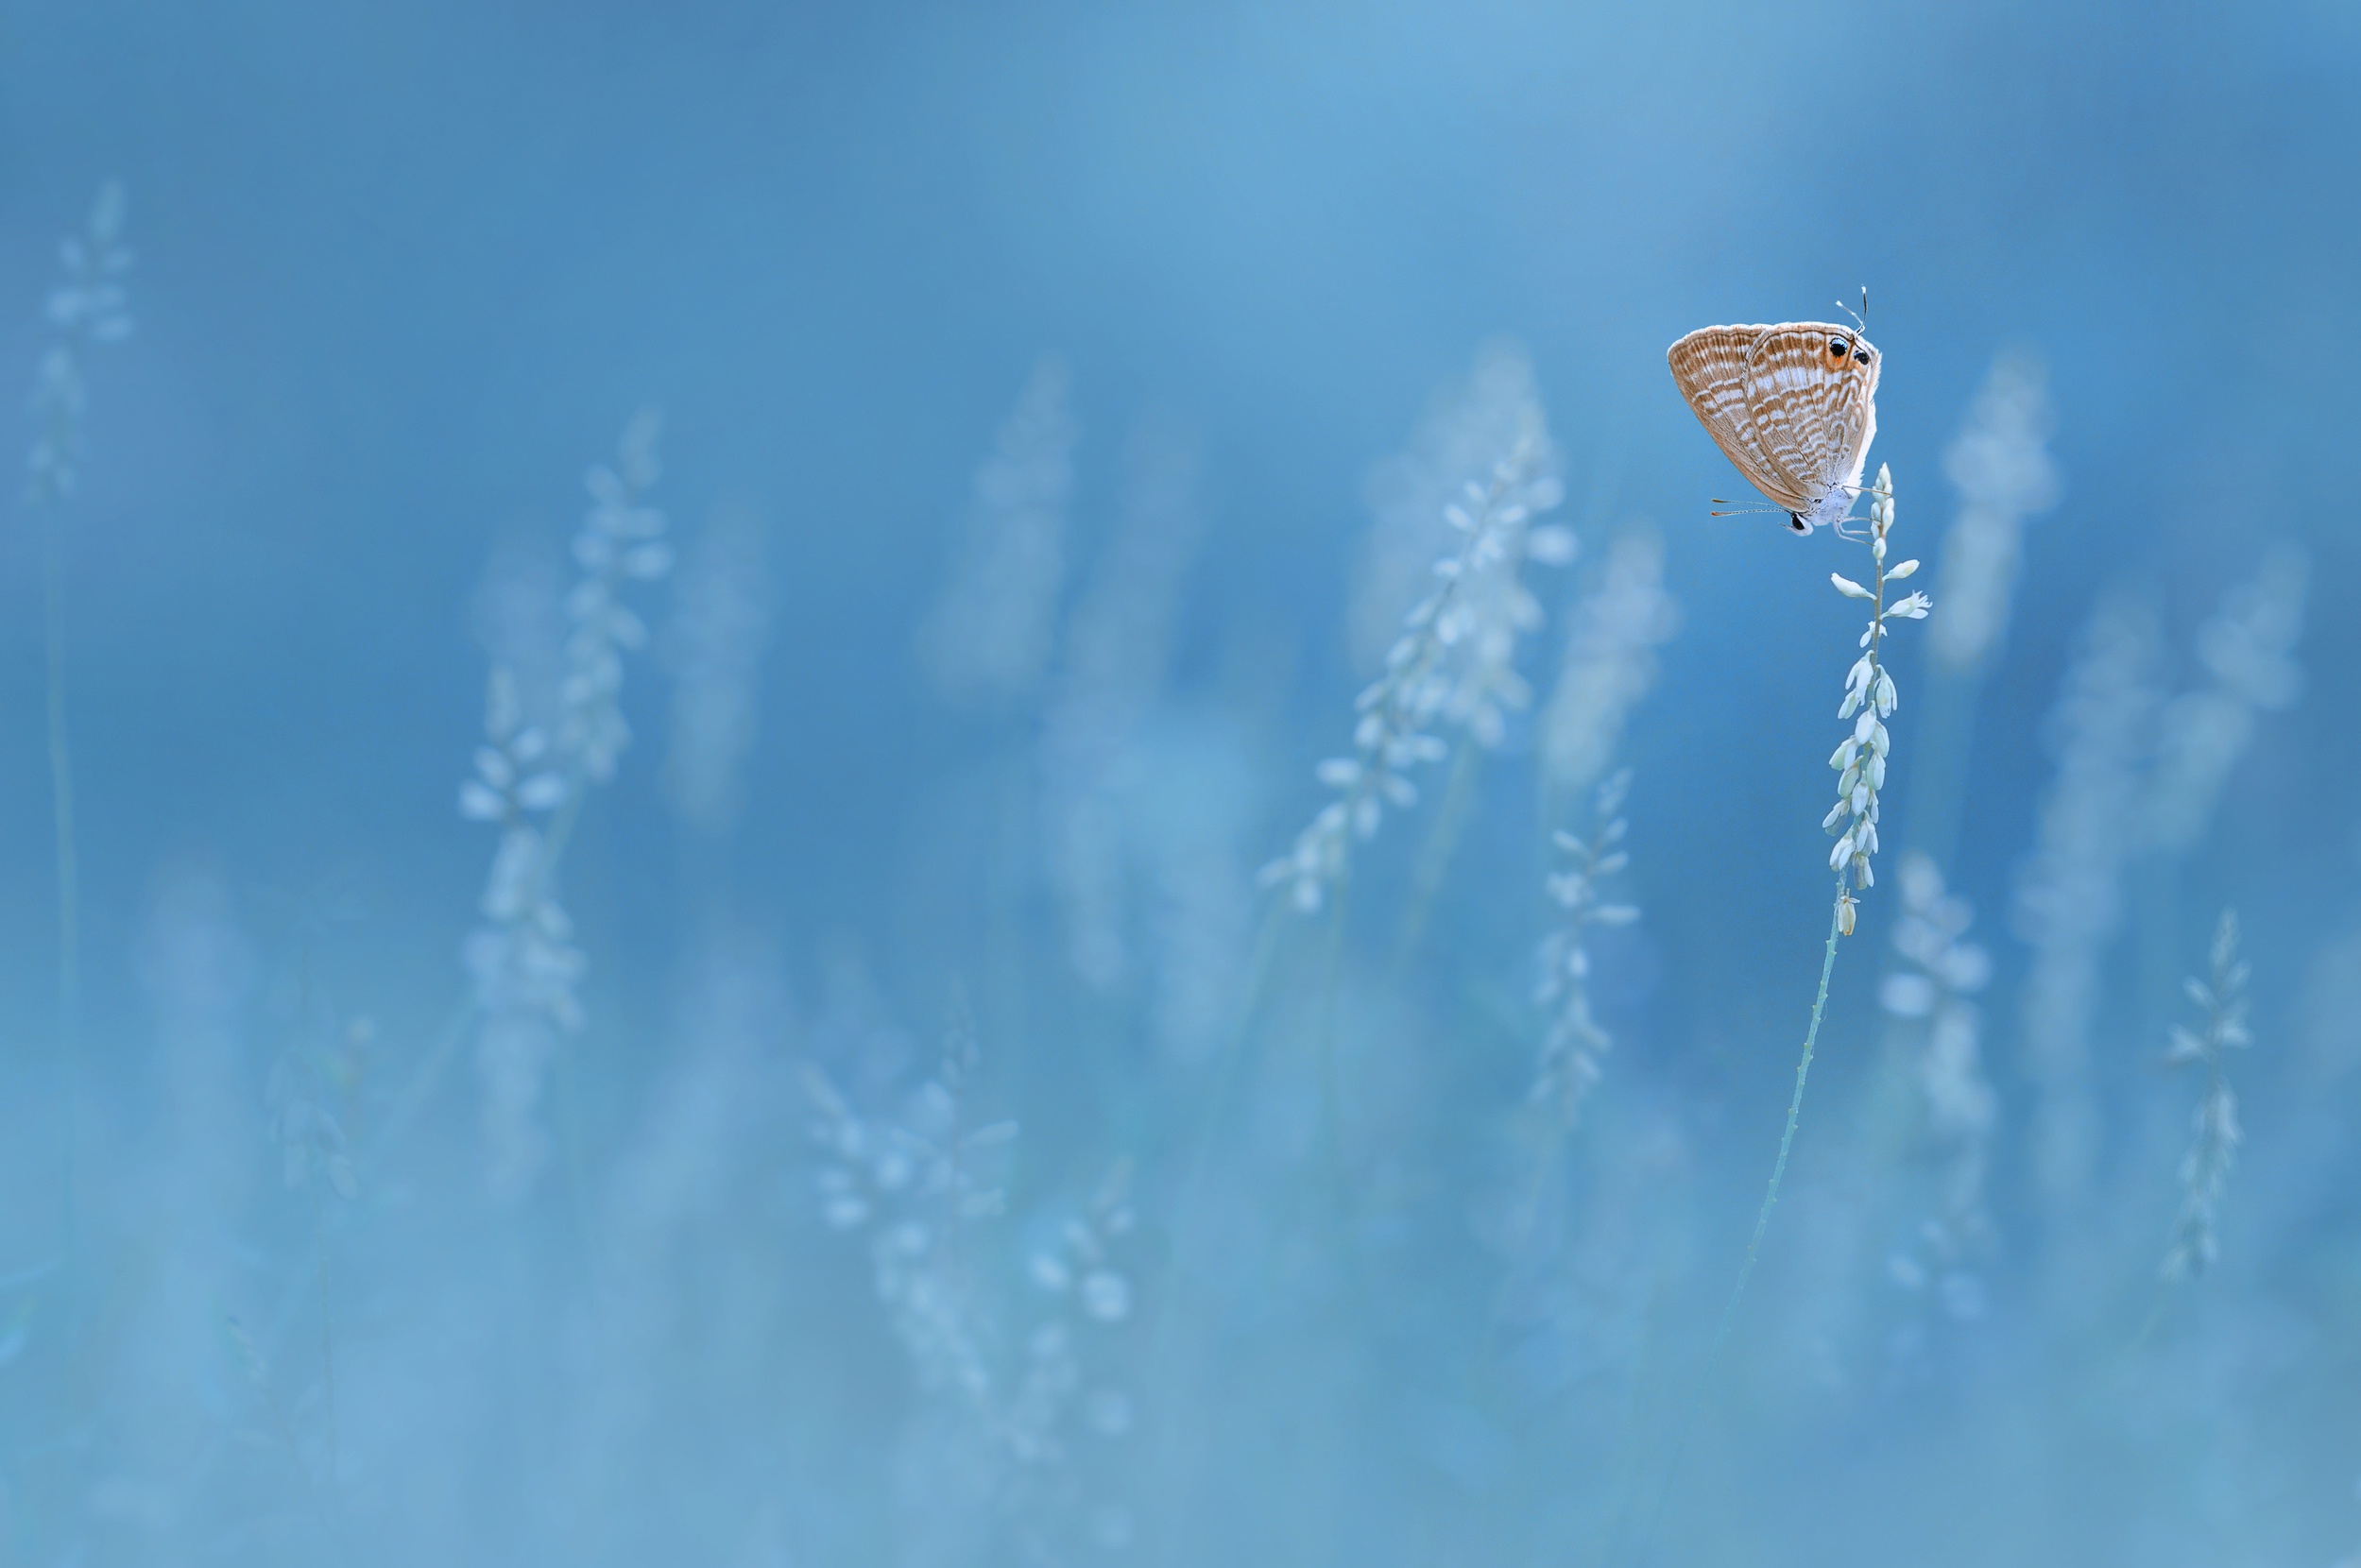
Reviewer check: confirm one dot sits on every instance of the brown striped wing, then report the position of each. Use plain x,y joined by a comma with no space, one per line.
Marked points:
1813,409
1712,365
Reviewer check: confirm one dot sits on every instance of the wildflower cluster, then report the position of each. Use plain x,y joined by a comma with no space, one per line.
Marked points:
1420,684
1118,653
523,960
1610,660
2069,898
2248,649
620,540
88,307
1939,977
1079,1263
920,1179
914,1180
2205,1170
1059,1397
1860,760
2001,466
1494,606
1941,973
990,635
1575,1042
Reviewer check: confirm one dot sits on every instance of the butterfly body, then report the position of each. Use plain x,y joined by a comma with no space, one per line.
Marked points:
1793,407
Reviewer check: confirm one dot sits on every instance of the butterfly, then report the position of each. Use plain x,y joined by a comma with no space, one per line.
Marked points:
1793,406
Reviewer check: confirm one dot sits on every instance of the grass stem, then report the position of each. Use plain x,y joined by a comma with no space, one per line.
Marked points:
1755,1242
69,875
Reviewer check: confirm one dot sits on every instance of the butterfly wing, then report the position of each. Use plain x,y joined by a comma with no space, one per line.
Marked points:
1811,394
1711,367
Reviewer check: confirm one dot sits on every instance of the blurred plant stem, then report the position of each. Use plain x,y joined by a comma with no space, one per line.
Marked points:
1331,1090
69,876
1755,1242
1787,1137
1434,854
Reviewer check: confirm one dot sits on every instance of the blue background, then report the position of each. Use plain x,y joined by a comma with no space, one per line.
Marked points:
403,271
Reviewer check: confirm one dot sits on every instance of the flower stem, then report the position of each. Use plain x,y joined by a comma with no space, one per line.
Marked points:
1762,1223
1434,856
1786,1138
69,876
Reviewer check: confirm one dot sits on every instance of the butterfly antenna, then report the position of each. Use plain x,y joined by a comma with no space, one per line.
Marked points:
1860,317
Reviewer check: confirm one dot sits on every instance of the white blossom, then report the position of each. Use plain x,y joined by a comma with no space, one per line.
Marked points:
1429,677
1421,496
1610,660
87,306
2214,1147
1933,993
1569,1065
621,541
1870,699
522,961
916,1181
2001,466
1118,648
990,637
2246,649
2068,897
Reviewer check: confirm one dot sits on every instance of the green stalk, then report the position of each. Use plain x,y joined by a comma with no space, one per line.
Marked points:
69,876
1762,1223
1838,926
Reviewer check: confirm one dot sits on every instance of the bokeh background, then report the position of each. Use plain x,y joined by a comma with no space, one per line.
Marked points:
884,1118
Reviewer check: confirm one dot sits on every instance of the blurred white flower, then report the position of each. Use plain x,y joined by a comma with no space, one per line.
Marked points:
88,306
1610,660
1454,661
990,637
1026,1411
2214,1147
1118,648
2069,896
522,961
619,542
2246,649
1574,1043
1469,425
1944,973
1106,1295
2001,466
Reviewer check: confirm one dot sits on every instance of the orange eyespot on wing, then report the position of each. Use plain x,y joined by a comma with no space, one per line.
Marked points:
1811,389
